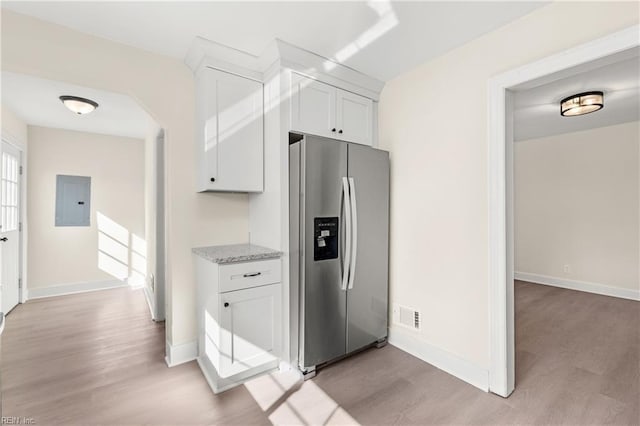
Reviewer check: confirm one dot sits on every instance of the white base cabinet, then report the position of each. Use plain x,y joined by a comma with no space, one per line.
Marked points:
239,309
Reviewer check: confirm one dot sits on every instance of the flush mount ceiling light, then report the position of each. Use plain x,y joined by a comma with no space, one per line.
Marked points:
582,103
79,105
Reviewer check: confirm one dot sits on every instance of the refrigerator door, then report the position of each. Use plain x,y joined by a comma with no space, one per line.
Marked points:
323,164
368,298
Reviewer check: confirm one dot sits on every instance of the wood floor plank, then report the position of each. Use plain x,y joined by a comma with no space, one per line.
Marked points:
97,358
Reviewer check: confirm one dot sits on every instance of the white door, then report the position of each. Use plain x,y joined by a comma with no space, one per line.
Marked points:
9,223
354,118
250,328
313,107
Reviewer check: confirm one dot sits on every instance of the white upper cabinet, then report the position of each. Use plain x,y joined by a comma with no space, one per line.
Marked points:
230,132
314,107
354,117
324,110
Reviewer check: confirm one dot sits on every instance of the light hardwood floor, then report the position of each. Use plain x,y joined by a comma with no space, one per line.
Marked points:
96,358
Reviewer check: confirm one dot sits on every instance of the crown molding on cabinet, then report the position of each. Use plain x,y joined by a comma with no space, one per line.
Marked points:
328,71
207,53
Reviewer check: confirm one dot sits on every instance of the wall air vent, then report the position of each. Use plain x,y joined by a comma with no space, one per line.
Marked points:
407,317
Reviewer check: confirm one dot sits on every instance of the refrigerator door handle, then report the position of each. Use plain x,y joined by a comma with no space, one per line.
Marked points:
347,238
354,230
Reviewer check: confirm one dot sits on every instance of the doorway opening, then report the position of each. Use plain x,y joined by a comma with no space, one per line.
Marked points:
575,231
90,213
502,88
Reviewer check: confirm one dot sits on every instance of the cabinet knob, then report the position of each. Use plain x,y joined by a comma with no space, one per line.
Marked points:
226,304
333,130
340,131
213,179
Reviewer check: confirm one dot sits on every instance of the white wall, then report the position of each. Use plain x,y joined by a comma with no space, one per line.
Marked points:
67,255
433,120
164,88
576,204
154,223
150,195
14,128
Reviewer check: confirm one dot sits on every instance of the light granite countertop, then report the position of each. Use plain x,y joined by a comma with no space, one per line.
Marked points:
235,253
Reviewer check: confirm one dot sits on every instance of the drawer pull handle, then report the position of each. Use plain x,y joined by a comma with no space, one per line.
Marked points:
252,274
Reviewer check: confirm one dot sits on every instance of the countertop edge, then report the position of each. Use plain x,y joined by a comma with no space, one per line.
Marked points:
216,253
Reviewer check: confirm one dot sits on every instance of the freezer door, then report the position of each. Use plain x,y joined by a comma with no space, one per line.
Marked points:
322,302
368,298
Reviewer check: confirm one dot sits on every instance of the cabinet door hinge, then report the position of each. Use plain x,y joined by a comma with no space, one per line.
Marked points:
19,282
20,227
20,169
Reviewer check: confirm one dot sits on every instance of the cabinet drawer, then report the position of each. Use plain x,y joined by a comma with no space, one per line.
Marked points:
237,276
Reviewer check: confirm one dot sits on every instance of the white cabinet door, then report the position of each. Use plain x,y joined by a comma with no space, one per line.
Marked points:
354,118
231,140
313,108
250,322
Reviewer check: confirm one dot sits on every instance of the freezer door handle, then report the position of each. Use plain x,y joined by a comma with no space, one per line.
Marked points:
347,238
354,230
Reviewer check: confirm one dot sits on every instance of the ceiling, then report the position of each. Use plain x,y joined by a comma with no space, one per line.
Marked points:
35,101
537,106
391,37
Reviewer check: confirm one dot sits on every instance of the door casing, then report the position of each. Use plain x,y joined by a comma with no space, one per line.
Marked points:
500,167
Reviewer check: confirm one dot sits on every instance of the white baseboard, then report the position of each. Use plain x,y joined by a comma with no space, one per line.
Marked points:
64,289
588,287
179,354
410,342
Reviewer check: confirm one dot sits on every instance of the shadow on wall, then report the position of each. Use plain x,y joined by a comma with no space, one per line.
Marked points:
121,254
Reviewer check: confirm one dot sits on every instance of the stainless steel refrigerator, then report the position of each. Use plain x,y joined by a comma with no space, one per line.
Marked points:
339,249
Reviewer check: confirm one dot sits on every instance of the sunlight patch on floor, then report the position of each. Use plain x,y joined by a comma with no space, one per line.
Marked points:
289,401
268,389
310,405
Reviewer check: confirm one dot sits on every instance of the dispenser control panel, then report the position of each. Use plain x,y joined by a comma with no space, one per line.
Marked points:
326,236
